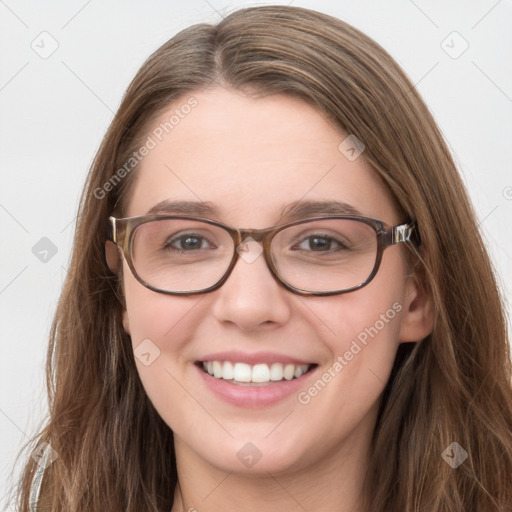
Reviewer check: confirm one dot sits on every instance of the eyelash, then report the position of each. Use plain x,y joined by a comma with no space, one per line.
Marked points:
168,245
328,238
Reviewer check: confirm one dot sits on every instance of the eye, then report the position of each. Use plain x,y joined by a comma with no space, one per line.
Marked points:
186,242
321,243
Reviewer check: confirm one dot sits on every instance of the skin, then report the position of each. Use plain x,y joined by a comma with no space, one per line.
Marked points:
251,157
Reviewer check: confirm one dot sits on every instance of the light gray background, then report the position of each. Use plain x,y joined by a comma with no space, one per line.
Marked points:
55,110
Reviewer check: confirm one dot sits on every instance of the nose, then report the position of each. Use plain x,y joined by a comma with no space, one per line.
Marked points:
251,297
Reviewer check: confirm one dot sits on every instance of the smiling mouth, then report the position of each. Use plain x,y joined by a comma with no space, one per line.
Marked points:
245,374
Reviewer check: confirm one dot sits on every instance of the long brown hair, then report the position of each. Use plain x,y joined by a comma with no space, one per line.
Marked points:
114,451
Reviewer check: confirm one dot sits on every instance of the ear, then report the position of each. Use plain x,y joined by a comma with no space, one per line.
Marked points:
417,319
111,256
113,260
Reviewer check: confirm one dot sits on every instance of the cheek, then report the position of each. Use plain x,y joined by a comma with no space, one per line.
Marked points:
362,339
374,316
150,314
367,348
160,328
365,339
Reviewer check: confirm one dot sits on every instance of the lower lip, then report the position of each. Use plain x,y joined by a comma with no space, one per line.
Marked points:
254,396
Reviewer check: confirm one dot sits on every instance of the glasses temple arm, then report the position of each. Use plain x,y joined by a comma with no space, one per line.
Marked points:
406,233
112,230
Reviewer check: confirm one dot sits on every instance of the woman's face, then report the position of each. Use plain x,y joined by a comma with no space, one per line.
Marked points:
250,158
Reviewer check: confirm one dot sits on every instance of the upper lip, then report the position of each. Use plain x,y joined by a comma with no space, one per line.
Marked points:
253,358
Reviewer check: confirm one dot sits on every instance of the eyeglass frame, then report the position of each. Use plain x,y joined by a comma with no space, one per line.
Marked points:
120,236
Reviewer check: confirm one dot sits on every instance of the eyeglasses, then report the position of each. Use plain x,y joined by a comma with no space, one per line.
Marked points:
183,255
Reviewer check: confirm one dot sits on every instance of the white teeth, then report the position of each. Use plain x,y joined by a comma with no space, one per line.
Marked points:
241,372
298,372
289,371
276,371
259,373
227,371
217,370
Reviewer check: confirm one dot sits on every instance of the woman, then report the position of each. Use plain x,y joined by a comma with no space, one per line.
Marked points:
346,351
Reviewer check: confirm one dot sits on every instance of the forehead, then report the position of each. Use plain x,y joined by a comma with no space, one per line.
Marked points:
250,158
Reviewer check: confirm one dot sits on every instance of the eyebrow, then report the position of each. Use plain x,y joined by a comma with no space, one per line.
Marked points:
293,211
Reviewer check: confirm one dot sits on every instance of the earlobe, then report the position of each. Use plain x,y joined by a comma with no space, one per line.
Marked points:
417,319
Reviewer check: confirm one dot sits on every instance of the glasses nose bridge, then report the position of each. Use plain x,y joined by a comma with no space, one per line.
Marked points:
262,236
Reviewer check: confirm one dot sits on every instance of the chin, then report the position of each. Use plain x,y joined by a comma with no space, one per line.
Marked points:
256,457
